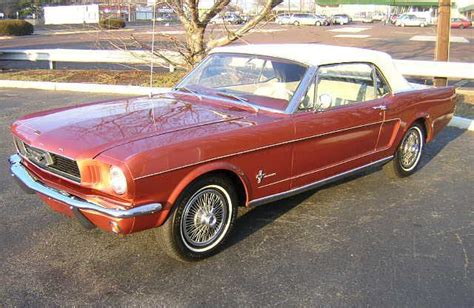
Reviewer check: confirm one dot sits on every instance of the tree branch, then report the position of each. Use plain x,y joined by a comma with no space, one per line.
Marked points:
232,36
218,6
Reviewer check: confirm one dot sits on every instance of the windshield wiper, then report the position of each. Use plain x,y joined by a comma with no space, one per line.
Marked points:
187,89
242,100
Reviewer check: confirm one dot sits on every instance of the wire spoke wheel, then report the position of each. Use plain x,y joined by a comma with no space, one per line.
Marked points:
410,149
204,218
408,154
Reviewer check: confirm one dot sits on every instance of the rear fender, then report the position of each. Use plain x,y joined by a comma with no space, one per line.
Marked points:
427,124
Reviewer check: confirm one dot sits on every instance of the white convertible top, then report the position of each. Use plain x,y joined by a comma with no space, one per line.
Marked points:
317,54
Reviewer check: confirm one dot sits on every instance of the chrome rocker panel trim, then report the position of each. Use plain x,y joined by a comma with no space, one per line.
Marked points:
298,190
28,183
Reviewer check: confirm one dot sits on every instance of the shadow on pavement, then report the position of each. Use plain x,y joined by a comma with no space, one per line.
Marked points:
439,143
257,218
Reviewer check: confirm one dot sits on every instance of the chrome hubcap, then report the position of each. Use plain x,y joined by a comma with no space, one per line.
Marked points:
410,149
204,217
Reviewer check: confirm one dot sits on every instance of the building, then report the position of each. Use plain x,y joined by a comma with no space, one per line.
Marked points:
428,7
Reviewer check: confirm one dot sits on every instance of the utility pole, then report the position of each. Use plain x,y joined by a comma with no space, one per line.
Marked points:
442,37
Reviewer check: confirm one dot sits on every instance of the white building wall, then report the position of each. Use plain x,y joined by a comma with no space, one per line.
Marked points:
72,14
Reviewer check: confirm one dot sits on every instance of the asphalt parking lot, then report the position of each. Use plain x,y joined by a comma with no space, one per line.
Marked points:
366,241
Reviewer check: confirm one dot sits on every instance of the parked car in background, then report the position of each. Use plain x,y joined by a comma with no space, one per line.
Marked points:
340,19
378,16
460,23
233,18
228,18
166,17
308,19
251,124
393,18
411,21
245,17
283,19
364,17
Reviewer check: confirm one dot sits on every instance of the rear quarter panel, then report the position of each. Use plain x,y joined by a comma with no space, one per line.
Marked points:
434,107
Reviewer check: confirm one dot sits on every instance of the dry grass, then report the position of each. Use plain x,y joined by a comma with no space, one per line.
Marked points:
136,78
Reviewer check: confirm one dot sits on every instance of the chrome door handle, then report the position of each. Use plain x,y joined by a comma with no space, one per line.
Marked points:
380,107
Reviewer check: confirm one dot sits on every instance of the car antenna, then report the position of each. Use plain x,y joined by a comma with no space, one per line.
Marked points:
153,24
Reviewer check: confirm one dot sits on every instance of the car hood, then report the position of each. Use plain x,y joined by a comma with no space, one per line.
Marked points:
86,131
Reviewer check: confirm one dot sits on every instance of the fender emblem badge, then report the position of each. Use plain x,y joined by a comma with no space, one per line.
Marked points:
261,175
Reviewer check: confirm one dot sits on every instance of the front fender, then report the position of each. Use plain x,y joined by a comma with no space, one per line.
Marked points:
208,168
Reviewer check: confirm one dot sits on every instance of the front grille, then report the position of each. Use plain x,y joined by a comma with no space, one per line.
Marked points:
65,165
51,162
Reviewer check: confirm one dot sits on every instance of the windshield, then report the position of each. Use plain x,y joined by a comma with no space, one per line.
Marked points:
258,81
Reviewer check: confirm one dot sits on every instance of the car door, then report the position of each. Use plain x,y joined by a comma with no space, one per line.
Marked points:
337,123
309,20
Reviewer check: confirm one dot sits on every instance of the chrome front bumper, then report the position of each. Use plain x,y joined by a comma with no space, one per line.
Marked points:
31,185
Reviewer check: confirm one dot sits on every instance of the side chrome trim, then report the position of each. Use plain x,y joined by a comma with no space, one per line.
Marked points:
28,183
260,148
314,185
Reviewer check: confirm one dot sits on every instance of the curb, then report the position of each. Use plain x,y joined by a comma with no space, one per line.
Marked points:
80,87
458,122
465,91
462,123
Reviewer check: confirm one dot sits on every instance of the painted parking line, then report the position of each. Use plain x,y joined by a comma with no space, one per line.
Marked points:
352,35
350,29
432,38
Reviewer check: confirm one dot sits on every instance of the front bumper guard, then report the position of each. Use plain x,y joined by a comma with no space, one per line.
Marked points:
31,185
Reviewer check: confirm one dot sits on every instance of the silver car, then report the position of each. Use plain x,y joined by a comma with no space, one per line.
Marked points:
411,20
283,19
308,19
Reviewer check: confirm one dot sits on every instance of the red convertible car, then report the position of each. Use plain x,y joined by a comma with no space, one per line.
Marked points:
249,125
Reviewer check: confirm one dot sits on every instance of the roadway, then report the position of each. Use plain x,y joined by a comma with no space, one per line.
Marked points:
366,241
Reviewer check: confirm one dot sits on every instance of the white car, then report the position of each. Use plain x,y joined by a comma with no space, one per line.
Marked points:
411,20
308,19
340,19
378,16
283,19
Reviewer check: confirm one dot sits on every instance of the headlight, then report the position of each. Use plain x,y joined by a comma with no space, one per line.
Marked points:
118,181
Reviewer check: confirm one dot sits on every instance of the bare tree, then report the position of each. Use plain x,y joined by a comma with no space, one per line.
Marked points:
195,47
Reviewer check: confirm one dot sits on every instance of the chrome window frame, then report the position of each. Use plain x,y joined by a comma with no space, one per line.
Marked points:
312,78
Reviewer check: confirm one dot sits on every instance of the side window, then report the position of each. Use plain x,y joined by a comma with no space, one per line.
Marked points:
340,85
